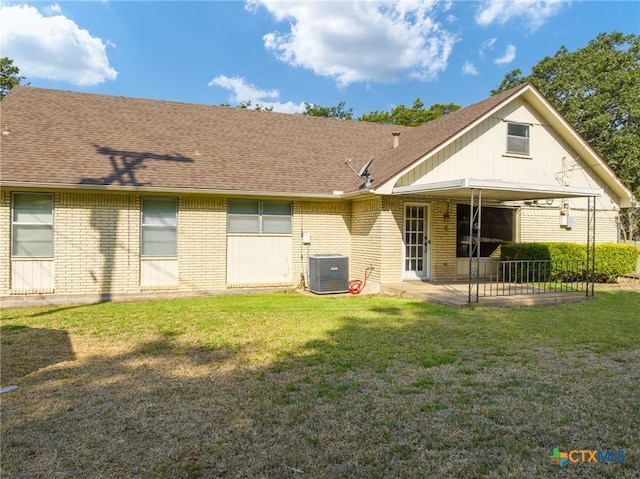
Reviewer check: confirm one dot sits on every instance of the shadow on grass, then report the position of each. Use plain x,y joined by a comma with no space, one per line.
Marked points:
391,394
26,350
15,313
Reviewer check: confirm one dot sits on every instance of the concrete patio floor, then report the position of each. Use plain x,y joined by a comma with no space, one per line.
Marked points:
457,294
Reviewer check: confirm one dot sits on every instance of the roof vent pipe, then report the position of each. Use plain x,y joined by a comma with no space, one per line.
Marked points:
396,139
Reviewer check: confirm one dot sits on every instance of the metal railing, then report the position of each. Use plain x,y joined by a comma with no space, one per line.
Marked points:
509,278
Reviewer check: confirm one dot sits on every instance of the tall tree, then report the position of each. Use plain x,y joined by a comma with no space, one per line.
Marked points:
597,89
9,76
414,116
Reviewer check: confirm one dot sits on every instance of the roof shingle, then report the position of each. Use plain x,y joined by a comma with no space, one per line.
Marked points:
68,138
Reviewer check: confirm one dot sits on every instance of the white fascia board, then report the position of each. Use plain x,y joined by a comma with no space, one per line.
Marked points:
553,191
430,187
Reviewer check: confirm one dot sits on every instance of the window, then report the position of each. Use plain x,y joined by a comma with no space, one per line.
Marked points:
159,224
255,216
518,138
496,227
32,225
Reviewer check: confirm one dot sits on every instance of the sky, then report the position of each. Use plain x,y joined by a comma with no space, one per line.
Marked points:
283,54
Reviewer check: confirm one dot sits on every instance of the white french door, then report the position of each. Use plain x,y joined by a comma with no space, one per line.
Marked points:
417,264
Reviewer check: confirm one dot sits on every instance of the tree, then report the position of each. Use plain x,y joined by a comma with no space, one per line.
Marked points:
9,76
337,111
246,104
597,89
414,116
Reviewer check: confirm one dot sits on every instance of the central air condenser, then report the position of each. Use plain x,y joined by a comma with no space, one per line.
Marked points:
328,273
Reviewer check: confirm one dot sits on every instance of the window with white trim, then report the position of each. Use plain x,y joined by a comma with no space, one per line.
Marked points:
32,225
518,138
159,226
259,216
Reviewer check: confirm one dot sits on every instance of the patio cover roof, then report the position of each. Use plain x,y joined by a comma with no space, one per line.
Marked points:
496,190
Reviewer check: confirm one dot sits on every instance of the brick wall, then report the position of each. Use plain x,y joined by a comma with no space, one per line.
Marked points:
366,231
96,243
443,241
202,243
543,224
97,238
5,241
327,224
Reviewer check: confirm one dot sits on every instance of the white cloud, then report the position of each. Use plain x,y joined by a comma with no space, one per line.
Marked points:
469,69
53,9
245,92
360,41
52,47
534,13
508,57
487,45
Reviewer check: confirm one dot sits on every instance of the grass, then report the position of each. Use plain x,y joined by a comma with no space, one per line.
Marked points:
288,385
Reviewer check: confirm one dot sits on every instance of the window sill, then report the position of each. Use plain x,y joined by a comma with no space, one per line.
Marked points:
258,235
32,258
516,155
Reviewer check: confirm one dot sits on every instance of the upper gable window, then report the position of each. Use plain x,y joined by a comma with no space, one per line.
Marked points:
518,138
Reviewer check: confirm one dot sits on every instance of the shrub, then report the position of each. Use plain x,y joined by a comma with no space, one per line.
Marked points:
567,261
614,260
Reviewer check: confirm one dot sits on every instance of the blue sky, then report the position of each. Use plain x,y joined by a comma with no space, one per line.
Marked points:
371,55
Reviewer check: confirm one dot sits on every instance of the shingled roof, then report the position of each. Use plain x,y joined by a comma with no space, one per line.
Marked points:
61,138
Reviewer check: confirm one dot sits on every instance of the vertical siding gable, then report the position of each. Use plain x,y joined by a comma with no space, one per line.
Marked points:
480,153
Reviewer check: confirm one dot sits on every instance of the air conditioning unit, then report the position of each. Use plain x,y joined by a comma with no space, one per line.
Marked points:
328,273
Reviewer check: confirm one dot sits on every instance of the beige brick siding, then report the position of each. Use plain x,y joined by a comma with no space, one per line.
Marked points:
97,238
443,241
327,224
366,230
543,224
202,243
5,241
391,241
96,243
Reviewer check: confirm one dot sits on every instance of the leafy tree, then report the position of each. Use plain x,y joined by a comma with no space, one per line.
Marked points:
247,105
9,76
337,111
597,89
414,116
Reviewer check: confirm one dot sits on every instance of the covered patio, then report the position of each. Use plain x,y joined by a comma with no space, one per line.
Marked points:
510,279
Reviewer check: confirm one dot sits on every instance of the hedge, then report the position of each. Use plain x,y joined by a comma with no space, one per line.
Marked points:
567,261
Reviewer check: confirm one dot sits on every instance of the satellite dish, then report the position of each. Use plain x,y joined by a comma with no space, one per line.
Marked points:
364,171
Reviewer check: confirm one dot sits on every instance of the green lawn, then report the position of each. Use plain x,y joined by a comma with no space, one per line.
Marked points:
298,386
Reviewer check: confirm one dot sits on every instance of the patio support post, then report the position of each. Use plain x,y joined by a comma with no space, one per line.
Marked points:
591,245
475,226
